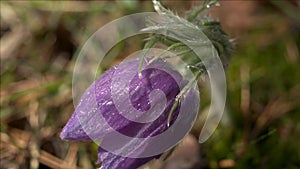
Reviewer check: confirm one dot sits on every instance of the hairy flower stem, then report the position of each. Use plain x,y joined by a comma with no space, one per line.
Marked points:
178,54
172,47
147,47
181,94
196,28
207,4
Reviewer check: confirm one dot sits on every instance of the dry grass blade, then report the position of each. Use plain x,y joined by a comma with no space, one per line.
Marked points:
54,162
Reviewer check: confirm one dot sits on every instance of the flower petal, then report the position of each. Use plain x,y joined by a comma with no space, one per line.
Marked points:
112,161
76,128
97,104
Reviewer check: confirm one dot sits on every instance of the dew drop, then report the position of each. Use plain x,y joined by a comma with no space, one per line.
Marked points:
109,103
140,74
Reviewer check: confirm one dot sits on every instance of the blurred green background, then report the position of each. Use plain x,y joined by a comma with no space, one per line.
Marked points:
39,44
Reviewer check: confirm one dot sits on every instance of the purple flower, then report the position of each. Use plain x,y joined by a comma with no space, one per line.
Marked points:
103,107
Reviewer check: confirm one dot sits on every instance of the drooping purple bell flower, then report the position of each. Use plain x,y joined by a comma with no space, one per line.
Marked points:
122,101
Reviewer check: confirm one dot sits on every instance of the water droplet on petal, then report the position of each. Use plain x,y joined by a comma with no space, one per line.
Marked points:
168,124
